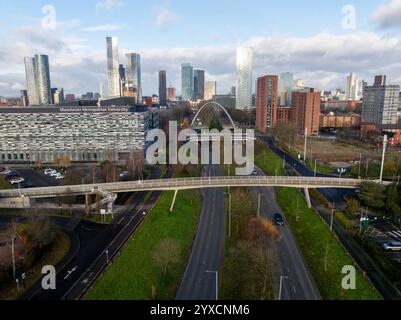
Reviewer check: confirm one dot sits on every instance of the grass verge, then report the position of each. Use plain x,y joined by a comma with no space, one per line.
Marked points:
134,273
53,256
317,242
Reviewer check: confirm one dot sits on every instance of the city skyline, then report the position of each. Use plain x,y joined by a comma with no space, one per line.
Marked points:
76,49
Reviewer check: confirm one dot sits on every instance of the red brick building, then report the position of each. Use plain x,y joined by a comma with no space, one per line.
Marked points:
393,132
283,115
266,102
306,110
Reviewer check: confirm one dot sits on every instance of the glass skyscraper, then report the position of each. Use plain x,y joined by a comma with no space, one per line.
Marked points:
133,73
244,78
285,88
43,79
199,84
210,89
187,82
113,67
31,81
162,88
38,80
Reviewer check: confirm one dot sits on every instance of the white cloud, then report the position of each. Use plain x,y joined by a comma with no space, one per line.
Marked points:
164,18
73,23
388,15
106,27
108,4
322,60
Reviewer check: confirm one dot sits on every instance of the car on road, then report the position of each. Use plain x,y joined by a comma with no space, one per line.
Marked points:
124,174
49,171
278,219
392,246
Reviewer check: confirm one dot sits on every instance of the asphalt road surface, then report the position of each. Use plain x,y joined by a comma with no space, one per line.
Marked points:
36,178
364,260
208,247
299,284
89,242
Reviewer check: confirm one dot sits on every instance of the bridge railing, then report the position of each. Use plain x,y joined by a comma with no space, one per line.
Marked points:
162,184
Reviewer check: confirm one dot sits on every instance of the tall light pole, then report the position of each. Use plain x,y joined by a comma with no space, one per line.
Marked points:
217,282
281,286
384,154
229,214
306,137
315,168
332,219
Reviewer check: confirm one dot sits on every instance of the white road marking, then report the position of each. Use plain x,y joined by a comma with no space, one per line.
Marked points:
70,271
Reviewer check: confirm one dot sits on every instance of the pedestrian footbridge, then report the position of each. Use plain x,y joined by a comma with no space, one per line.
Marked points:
18,198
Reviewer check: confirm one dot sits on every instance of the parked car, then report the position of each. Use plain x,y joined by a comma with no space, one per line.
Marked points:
59,176
55,174
49,171
278,219
254,172
17,180
12,175
392,246
6,172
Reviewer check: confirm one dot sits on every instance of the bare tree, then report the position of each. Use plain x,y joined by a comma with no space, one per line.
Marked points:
166,252
12,236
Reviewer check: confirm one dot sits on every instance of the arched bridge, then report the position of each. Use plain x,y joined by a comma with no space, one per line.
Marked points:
210,113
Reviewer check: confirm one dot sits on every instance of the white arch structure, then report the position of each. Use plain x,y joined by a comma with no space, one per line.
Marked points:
213,103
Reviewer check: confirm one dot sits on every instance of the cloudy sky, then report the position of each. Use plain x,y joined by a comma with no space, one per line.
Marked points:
320,41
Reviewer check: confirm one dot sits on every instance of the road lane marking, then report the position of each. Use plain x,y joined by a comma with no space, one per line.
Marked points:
69,272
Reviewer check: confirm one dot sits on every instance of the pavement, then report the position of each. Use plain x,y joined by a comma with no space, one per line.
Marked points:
208,247
299,284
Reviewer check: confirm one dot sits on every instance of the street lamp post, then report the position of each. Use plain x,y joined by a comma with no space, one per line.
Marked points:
281,286
360,163
229,214
384,154
306,137
217,282
315,168
332,219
